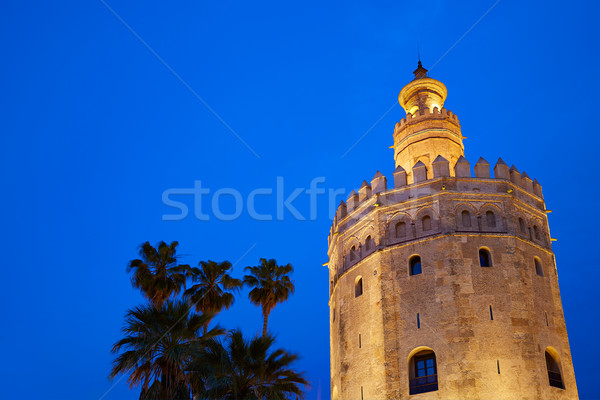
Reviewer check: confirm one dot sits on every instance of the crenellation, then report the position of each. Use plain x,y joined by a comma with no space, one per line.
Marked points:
352,201
482,168
419,172
378,183
341,211
427,115
462,168
515,175
441,167
364,192
537,188
501,170
527,182
399,177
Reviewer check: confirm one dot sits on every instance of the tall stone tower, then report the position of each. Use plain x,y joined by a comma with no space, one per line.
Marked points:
444,286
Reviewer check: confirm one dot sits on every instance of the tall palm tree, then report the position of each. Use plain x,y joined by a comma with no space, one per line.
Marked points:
157,274
245,370
157,346
271,285
214,288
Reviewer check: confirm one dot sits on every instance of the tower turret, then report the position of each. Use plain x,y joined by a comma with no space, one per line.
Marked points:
429,129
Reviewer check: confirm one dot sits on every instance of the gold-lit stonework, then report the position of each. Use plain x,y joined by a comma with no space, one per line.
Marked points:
444,285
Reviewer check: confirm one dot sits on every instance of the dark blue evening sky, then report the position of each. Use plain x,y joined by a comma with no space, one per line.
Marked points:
95,128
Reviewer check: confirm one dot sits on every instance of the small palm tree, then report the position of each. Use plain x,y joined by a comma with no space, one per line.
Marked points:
214,288
157,274
157,346
244,370
271,285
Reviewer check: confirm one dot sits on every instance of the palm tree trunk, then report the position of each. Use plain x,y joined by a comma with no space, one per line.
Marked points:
265,320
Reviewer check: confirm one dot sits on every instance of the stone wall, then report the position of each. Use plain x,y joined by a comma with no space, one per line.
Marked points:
374,334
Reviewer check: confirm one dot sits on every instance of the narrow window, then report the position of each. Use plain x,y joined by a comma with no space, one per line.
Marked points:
400,229
333,316
554,375
358,287
423,372
368,243
530,236
485,258
362,395
426,223
546,315
538,266
522,225
491,219
415,265
498,365
352,253
536,232
491,314
418,321
359,341
466,218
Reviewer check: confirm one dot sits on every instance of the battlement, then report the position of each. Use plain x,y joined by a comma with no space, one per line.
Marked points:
426,114
441,169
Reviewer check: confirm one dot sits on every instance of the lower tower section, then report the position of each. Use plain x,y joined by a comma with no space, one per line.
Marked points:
447,289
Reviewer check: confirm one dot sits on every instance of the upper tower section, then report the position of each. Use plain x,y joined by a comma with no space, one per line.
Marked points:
429,129
423,92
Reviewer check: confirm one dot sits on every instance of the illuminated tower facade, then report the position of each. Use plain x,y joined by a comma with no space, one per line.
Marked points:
444,285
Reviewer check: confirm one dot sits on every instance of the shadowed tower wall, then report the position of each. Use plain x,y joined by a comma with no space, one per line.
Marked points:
444,285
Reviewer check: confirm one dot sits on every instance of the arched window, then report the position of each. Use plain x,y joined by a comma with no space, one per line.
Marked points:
485,258
400,229
522,225
353,253
538,266
491,219
415,265
369,243
466,218
423,372
536,232
426,223
358,287
553,367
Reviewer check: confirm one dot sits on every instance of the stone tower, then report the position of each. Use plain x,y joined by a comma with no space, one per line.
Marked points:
444,286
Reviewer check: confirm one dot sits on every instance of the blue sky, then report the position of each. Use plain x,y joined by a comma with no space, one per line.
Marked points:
95,128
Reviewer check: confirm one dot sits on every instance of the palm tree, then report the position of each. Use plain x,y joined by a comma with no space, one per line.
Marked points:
245,370
271,286
214,289
157,346
157,274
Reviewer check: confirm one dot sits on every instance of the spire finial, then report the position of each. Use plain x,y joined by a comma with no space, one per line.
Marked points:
420,72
